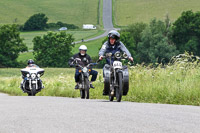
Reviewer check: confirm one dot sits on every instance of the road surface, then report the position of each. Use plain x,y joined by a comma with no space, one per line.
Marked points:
23,114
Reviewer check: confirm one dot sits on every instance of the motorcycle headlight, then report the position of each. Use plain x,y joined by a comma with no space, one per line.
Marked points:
38,75
33,76
85,69
28,75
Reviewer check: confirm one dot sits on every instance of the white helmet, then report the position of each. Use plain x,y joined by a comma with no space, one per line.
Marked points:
83,47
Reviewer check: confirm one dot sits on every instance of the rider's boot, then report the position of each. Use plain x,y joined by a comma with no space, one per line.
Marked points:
91,86
76,87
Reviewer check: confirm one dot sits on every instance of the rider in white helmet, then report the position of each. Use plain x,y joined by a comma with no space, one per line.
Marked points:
83,59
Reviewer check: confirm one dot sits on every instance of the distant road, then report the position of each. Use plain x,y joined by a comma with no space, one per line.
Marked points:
23,114
107,20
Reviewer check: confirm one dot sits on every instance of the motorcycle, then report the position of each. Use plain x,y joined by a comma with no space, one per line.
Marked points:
116,77
84,84
32,83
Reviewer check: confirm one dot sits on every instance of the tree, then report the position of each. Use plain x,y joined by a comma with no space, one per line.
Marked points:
156,45
131,36
186,32
53,49
10,45
36,22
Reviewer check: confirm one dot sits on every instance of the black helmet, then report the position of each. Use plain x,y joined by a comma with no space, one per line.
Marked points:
30,61
114,34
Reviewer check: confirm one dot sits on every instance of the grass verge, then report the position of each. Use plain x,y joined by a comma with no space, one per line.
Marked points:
178,84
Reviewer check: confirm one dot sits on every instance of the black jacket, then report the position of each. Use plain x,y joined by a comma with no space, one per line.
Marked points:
81,60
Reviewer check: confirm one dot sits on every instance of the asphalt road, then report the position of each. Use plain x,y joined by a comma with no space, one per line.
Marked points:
23,114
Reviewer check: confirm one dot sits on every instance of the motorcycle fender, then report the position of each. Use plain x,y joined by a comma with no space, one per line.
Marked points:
125,80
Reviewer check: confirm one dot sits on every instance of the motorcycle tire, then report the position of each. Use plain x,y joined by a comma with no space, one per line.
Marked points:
82,93
119,89
87,88
33,91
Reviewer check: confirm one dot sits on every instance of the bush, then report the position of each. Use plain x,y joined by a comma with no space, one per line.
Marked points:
53,49
36,22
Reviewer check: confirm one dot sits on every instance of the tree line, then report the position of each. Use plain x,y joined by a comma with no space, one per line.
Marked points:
159,41
156,42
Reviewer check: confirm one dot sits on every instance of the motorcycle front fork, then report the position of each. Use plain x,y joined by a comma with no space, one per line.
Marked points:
114,84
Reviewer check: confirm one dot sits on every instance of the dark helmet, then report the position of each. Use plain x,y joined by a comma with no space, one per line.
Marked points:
114,34
30,61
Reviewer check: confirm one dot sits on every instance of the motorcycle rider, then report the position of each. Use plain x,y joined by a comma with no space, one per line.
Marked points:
30,63
113,45
82,59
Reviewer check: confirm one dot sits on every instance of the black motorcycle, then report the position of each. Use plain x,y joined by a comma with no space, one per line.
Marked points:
116,77
84,84
32,83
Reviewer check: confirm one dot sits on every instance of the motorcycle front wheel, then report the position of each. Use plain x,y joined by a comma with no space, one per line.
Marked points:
82,93
33,91
119,89
87,88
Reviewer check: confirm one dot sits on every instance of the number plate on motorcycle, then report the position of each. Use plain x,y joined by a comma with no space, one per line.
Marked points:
117,64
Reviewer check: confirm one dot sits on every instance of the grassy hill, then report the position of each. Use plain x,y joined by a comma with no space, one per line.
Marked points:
76,12
130,11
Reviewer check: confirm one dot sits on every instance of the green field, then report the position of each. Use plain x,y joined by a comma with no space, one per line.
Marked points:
77,34
76,12
178,84
93,48
130,11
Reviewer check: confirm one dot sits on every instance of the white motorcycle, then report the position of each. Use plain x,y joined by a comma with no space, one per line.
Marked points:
32,83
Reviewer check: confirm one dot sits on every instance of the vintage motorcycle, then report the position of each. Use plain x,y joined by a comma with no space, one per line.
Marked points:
32,83
84,84
116,77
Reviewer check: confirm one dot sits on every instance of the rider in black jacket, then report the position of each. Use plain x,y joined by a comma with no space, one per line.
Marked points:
82,59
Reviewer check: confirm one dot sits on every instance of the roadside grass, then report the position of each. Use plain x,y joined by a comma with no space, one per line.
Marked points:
76,12
131,11
77,34
177,84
